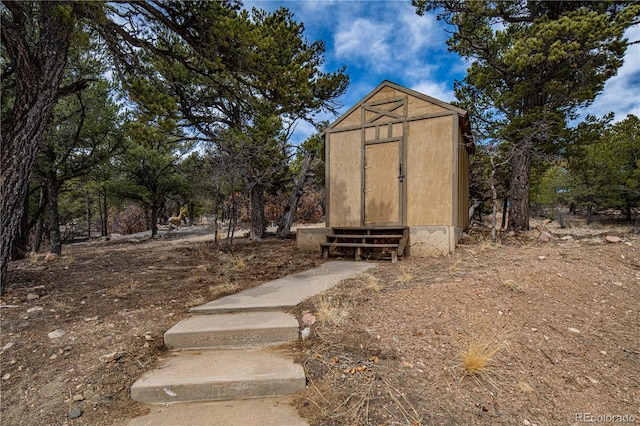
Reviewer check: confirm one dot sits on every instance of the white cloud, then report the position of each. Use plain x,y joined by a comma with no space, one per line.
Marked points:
364,41
621,93
419,32
438,90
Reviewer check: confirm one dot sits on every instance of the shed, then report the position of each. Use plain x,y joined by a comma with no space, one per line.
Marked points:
399,159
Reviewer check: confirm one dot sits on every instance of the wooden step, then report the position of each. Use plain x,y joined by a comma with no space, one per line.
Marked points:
360,238
356,236
363,245
368,228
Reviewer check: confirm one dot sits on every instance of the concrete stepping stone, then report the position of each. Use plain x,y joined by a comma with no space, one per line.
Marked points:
263,412
216,375
286,292
246,329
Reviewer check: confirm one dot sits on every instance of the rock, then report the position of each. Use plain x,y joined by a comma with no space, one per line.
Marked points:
541,258
7,346
34,309
32,296
78,397
567,238
573,330
308,319
613,239
111,356
525,387
547,236
526,422
6,376
75,413
532,233
50,257
306,332
542,227
56,334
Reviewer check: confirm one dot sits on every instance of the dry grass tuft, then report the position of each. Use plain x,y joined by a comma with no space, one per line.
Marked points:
479,352
406,275
123,290
232,263
369,282
225,289
195,299
334,307
333,310
513,286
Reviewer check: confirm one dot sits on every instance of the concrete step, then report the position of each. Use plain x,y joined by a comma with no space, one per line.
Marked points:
286,292
246,329
217,375
263,412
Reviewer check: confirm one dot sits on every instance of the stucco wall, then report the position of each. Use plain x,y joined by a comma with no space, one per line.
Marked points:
433,240
309,239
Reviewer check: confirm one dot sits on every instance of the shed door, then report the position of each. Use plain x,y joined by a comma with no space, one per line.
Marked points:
382,181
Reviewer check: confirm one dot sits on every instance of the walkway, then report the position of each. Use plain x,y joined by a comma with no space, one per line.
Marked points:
223,370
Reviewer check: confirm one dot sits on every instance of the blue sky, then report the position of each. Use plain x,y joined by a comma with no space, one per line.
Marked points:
385,40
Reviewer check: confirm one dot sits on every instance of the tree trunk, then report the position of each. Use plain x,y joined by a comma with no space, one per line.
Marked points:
39,60
105,212
87,202
39,231
191,212
19,249
298,190
505,212
233,215
519,191
472,209
154,220
258,222
494,201
54,216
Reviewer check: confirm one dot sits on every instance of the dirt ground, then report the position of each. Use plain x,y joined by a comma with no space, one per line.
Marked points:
386,348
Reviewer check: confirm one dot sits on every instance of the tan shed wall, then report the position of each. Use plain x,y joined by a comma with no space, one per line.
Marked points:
463,185
429,172
345,175
417,107
353,119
